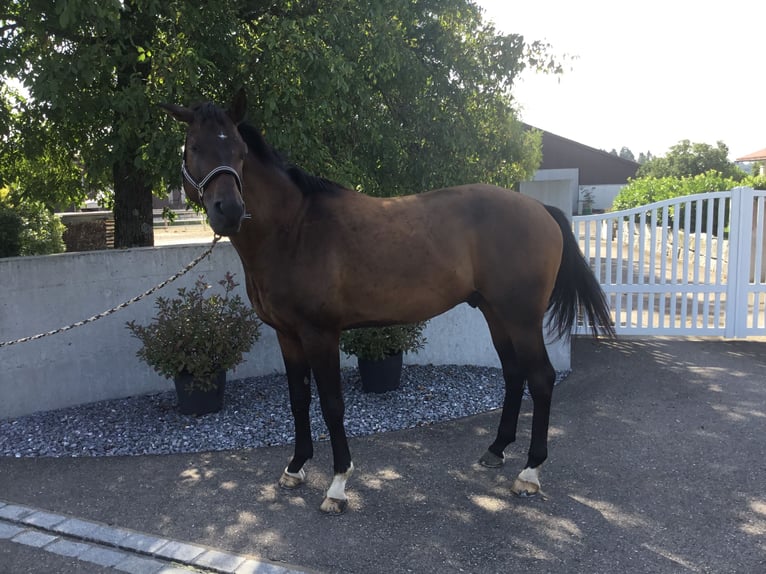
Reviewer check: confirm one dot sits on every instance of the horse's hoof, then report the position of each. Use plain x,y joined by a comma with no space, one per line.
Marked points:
524,489
491,460
333,506
527,483
292,480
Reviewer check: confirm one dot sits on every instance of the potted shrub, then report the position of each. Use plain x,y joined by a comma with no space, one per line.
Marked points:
379,353
195,338
587,201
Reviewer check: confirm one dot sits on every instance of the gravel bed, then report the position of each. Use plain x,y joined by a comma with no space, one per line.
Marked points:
256,413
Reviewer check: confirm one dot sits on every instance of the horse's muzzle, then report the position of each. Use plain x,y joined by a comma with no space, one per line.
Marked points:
225,215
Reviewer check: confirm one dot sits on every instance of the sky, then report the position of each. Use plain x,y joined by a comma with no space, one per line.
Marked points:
646,74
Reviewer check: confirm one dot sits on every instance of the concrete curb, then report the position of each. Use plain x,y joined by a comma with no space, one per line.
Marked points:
122,549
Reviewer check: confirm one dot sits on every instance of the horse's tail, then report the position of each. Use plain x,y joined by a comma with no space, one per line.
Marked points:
576,288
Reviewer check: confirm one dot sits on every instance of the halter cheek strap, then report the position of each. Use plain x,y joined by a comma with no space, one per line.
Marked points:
200,187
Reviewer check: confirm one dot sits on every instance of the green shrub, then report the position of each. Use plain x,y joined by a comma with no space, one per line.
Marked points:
43,232
11,226
646,190
199,333
29,228
377,343
755,181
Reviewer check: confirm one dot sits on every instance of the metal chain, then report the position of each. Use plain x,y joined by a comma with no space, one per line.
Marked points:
121,305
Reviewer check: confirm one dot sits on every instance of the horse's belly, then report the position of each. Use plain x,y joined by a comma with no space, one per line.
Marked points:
407,299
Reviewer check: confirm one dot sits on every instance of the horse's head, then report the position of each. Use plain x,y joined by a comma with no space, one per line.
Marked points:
214,155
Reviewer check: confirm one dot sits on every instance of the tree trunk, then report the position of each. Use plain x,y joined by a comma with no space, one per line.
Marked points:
133,216
132,186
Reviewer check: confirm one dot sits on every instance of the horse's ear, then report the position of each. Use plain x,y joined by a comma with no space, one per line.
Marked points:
180,113
238,107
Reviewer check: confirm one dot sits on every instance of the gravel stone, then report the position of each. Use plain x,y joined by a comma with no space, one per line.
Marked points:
256,413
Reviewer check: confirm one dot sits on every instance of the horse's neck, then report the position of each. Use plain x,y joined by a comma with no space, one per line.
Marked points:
271,199
273,203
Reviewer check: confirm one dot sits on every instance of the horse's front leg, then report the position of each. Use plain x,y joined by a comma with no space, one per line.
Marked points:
299,383
324,358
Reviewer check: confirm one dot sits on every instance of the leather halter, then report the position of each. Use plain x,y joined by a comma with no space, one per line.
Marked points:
200,186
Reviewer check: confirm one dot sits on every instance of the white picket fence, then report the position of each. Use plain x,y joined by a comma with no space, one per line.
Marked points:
691,265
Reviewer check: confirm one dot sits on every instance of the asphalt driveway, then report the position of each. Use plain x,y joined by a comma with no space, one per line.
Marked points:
657,464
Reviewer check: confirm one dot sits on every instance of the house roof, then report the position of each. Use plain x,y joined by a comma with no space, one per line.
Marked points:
759,155
596,166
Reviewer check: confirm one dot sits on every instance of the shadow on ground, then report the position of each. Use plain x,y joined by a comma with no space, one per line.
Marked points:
657,464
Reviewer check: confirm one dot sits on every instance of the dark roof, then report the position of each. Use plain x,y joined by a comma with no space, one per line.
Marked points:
596,166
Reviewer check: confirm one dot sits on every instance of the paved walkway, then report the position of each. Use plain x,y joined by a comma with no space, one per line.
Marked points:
84,542
657,464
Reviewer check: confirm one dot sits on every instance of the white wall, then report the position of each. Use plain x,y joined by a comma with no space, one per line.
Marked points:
603,195
97,361
560,189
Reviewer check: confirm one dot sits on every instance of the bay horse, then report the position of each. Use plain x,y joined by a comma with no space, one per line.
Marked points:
319,258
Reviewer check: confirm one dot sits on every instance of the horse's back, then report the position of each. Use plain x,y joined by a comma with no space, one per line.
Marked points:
433,250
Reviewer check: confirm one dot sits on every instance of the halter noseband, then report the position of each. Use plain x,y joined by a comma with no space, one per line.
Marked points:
200,187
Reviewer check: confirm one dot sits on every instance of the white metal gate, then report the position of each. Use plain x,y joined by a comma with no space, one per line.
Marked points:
693,265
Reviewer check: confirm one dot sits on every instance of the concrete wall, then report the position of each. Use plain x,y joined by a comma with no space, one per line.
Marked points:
97,361
560,187
603,196
557,187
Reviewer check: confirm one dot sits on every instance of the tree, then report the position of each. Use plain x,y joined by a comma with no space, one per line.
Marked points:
625,153
645,157
92,84
686,159
393,96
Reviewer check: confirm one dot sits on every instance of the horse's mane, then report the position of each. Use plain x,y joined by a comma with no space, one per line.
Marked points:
307,183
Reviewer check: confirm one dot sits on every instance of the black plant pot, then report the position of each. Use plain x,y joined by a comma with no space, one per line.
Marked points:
193,401
382,375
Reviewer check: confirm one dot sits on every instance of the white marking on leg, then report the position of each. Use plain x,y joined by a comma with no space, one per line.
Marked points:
337,489
222,136
527,483
531,475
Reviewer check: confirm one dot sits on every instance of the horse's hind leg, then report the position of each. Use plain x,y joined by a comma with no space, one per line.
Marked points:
514,388
523,357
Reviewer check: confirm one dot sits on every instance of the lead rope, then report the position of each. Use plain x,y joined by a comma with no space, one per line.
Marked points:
182,272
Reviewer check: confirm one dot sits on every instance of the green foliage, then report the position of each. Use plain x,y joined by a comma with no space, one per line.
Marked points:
11,226
375,343
198,334
35,165
388,96
754,181
646,190
686,159
43,231
625,153
28,228
404,96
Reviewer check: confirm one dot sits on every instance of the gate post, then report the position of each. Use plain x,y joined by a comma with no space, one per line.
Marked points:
739,261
